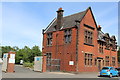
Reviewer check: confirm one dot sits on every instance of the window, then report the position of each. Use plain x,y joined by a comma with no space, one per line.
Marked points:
88,37
107,60
101,47
105,68
95,62
113,45
88,59
49,39
103,62
48,59
113,61
67,35
107,43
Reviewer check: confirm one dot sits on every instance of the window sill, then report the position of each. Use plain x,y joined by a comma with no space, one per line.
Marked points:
88,44
88,66
49,45
114,50
101,53
67,43
107,48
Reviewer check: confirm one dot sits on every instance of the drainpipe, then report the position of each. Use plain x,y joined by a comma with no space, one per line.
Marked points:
77,24
110,57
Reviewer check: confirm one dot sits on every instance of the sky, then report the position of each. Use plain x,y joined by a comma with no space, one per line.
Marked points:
22,22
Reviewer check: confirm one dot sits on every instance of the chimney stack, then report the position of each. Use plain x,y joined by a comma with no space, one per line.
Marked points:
99,27
59,18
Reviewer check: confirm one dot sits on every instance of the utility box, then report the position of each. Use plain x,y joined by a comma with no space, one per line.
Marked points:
38,63
5,61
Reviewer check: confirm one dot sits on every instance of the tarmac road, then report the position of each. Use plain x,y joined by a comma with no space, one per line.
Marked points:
0,71
21,72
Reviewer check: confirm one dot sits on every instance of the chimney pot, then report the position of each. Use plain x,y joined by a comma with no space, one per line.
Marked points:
59,9
99,27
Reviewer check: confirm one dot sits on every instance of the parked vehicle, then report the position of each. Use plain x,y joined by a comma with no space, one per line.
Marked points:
118,70
1,61
21,62
109,71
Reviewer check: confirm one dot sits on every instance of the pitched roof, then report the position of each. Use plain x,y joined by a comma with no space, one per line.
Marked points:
107,35
113,38
100,36
68,21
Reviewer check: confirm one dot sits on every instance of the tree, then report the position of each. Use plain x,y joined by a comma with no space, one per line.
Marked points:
26,54
16,48
23,54
6,49
35,52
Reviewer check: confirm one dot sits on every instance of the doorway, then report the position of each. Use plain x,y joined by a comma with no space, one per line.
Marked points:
52,64
99,65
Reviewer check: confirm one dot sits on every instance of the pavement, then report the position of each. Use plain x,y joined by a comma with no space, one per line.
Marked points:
22,72
0,71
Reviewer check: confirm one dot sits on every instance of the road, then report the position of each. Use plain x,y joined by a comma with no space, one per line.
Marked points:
0,71
21,72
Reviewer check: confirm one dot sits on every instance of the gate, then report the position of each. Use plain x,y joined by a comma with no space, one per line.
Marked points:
53,64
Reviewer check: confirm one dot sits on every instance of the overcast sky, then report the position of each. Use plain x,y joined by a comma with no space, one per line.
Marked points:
22,22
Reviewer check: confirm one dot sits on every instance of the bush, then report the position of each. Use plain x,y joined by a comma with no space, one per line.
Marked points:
28,64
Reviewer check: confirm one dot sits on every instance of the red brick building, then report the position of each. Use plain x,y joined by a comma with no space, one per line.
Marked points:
76,43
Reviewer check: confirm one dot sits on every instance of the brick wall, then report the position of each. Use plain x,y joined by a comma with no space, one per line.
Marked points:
61,50
67,52
118,64
88,19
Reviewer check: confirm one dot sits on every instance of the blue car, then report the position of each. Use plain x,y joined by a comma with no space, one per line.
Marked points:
109,71
118,70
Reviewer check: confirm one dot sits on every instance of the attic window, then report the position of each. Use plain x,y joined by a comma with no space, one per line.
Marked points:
49,39
67,35
55,27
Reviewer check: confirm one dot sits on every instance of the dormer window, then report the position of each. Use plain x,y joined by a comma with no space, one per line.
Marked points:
107,43
113,43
